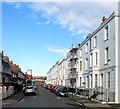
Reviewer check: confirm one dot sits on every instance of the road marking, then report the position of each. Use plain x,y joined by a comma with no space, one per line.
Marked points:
34,97
59,98
21,101
79,104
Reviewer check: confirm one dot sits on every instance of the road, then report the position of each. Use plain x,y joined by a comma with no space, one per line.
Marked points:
44,98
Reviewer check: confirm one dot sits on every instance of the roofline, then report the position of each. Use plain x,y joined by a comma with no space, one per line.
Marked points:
114,14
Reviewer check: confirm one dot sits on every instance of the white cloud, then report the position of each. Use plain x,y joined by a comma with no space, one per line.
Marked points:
17,6
58,50
43,23
76,17
80,18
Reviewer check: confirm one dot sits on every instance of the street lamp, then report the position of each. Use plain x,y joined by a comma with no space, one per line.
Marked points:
107,81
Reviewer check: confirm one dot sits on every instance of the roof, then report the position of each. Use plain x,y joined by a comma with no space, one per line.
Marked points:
39,77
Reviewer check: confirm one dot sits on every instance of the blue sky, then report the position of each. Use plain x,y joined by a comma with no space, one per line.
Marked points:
36,35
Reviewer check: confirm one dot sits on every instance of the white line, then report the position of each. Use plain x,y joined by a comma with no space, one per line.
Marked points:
34,97
21,101
58,98
79,103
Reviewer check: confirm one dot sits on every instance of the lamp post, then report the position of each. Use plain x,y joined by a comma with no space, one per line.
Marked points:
107,81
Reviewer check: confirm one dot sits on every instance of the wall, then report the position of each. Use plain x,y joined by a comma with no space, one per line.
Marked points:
118,57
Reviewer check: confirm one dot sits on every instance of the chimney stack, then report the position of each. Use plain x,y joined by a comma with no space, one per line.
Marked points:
103,19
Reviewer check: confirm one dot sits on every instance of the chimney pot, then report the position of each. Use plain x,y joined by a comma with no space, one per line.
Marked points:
103,19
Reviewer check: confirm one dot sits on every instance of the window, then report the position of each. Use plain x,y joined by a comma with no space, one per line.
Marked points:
102,82
86,63
86,47
95,80
91,80
81,52
84,83
80,65
91,60
96,58
87,85
106,55
101,79
106,33
80,81
90,44
95,41
109,79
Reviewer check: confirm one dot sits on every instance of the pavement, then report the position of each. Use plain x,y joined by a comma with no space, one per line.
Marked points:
91,103
13,98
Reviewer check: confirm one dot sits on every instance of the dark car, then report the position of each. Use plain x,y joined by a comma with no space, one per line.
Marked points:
62,91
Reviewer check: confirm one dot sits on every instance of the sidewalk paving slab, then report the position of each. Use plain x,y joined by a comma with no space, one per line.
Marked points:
13,98
86,102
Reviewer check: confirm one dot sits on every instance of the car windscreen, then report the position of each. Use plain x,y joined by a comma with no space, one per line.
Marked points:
64,90
29,87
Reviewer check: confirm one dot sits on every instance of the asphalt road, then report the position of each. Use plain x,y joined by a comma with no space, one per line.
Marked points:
45,98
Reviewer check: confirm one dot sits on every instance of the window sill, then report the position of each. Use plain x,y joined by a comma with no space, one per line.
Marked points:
105,40
91,50
106,64
95,66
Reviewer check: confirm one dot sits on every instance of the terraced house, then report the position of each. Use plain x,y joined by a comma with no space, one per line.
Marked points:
93,67
11,77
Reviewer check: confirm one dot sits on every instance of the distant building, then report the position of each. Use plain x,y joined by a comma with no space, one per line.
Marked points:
39,79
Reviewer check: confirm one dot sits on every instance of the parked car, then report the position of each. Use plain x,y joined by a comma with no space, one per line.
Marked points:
49,86
45,85
62,91
35,86
52,88
30,90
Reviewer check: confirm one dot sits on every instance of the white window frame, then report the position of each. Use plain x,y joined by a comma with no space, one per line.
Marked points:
90,44
86,47
96,58
96,80
109,79
86,63
91,59
91,79
81,52
106,33
95,41
81,67
106,55
80,81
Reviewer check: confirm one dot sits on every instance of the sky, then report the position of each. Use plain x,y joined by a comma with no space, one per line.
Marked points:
37,34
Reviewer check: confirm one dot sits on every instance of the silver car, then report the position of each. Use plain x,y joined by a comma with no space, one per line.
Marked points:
30,90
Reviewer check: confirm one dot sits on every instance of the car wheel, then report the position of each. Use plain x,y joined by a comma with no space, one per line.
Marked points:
58,94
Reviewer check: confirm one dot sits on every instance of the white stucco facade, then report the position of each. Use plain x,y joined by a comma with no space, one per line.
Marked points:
97,65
